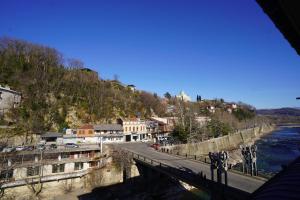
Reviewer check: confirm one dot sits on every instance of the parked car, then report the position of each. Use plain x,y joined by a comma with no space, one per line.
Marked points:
20,148
2,147
71,145
145,140
8,149
28,148
53,146
41,147
42,142
155,146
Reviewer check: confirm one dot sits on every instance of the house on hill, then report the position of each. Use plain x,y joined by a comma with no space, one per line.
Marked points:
8,99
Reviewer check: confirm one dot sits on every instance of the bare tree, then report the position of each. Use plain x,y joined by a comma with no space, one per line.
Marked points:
35,185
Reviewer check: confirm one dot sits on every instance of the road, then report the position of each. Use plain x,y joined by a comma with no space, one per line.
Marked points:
245,183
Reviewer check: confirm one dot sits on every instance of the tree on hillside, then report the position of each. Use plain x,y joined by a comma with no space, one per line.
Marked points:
167,95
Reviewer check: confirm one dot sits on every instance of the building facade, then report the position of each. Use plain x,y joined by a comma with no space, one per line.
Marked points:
134,129
8,99
50,165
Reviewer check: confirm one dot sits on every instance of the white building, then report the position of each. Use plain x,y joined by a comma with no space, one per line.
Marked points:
51,165
183,96
8,99
211,109
109,132
134,129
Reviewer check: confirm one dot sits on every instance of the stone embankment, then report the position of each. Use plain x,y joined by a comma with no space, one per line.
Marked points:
229,143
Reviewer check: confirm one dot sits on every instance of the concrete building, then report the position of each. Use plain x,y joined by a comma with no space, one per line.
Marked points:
202,120
8,99
134,129
109,132
85,131
211,109
51,136
95,134
165,126
132,87
152,129
50,165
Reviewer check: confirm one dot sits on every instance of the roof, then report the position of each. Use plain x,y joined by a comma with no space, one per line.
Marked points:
286,16
160,120
8,89
284,185
108,127
51,135
87,126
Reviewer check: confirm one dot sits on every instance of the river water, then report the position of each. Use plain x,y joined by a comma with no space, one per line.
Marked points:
278,148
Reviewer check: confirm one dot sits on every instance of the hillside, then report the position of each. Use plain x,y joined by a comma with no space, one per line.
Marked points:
58,94
280,111
281,115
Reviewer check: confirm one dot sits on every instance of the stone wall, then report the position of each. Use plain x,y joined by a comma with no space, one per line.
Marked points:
228,142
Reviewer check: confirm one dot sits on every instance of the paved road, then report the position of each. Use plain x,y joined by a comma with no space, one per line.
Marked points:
245,183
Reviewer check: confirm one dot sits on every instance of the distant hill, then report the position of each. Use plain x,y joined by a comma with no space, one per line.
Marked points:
280,112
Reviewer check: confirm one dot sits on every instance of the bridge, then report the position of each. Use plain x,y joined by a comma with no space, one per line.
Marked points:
195,173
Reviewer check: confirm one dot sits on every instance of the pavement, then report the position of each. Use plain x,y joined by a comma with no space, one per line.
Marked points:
242,182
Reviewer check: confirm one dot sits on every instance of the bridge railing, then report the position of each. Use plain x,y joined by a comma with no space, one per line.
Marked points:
198,180
204,158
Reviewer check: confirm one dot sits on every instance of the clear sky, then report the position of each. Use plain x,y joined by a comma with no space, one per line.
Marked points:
218,49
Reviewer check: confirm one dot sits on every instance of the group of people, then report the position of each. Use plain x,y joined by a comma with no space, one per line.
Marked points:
219,161
249,159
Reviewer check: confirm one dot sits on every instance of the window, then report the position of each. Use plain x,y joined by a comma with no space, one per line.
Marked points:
64,155
130,128
58,168
133,129
78,166
90,132
137,128
33,171
125,129
6,174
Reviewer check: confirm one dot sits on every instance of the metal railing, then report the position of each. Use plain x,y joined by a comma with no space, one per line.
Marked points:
198,180
204,158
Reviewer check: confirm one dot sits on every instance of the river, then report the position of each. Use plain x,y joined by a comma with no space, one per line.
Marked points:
278,148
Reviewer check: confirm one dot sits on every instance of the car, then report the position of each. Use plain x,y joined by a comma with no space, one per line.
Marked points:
8,149
41,147
145,140
42,142
155,146
53,146
28,148
71,145
20,148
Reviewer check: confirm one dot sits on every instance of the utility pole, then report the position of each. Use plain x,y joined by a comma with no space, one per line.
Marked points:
101,144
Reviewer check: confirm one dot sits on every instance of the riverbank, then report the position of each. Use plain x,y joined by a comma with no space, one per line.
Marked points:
229,143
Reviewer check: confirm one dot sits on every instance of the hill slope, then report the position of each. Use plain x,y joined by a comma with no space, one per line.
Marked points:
56,95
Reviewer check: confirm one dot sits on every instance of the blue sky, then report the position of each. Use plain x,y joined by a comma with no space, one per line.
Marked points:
217,49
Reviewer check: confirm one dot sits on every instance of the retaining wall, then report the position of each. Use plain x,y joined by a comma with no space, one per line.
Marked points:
228,142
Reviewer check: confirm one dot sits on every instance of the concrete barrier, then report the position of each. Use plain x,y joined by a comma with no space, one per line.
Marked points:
228,142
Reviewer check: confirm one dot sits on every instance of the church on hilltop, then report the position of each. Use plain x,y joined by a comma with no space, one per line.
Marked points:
183,96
